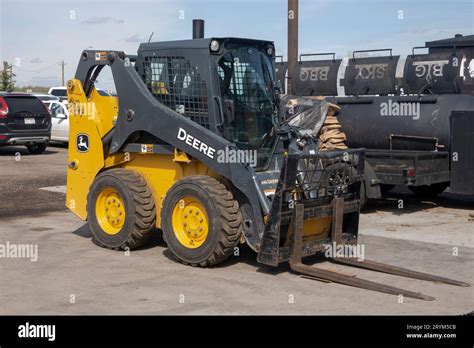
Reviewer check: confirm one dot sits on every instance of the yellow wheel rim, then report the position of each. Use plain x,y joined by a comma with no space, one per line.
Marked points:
190,222
110,211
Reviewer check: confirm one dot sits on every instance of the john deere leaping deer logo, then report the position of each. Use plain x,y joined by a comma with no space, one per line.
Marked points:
82,142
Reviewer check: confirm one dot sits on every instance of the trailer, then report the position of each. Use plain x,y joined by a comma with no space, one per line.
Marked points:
414,116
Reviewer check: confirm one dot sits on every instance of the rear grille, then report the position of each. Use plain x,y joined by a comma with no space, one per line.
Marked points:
177,85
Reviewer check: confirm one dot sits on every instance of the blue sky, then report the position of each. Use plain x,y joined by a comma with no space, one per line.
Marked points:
36,35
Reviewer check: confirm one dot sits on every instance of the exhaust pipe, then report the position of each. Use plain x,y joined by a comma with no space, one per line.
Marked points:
198,29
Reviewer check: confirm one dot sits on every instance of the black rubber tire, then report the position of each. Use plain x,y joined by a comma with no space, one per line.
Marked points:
37,149
140,217
385,188
224,218
429,191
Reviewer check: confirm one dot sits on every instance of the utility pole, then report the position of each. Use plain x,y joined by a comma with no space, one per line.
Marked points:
62,73
292,40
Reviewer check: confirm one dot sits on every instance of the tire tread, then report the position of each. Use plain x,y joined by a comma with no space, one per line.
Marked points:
145,211
228,212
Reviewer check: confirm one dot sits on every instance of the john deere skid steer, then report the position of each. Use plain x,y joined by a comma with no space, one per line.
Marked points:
163,155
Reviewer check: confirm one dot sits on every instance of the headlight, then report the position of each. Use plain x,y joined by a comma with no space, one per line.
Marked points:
214,46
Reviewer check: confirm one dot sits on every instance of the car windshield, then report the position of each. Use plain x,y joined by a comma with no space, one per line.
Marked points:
59,92
247,87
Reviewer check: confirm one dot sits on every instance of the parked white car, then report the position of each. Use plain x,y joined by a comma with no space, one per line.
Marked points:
59,121
61,92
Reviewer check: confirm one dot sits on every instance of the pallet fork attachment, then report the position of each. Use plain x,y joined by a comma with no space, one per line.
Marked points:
316,273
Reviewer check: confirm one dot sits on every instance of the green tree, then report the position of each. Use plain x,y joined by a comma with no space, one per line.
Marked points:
6,78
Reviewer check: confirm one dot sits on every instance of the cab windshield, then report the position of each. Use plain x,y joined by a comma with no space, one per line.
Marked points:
247,89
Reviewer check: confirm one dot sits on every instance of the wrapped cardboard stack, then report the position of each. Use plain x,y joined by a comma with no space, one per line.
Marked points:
331,135
310,113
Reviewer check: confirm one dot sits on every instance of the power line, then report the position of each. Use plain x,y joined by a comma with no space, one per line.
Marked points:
41,69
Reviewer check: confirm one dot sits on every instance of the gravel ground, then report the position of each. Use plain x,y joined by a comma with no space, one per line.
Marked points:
74,276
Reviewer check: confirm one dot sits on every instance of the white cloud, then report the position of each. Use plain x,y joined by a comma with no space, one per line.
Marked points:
36,60
135,38
102,20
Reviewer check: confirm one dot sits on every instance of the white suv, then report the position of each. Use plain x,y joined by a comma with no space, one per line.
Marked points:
61,92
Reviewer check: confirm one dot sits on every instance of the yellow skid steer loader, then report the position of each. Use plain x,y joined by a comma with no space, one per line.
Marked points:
195,144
